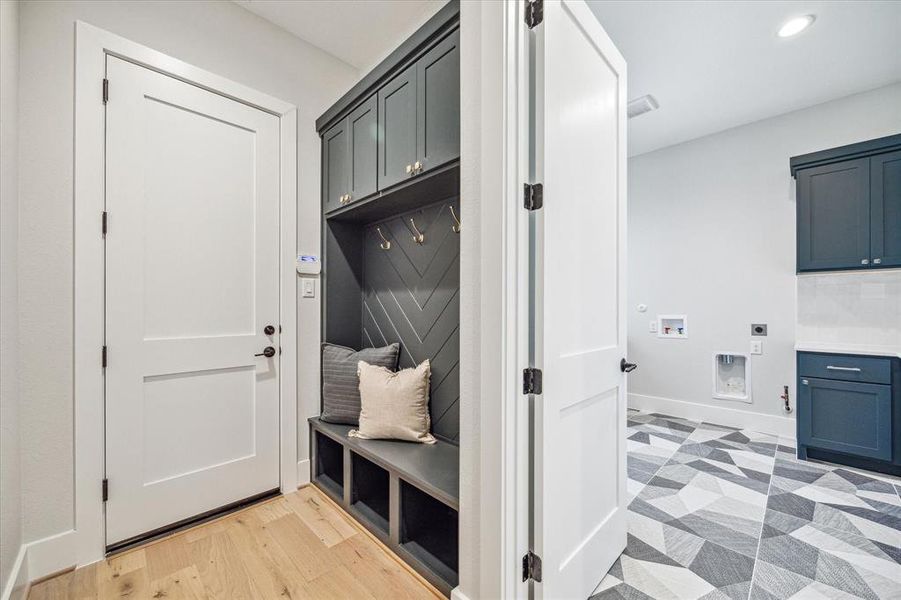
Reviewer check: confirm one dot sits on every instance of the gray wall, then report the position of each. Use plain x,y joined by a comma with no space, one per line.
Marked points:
10,480
712,235
221,37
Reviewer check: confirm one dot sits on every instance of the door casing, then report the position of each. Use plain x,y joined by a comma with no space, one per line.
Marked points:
85,543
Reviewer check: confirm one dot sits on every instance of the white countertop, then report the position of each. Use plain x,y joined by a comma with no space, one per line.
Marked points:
848,349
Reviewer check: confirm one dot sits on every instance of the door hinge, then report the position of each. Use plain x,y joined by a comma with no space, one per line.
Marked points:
531,381
534,12
532,196
105,490
103,225
105,90
531,567
103,357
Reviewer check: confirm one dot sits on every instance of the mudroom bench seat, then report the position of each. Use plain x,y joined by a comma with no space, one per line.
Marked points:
406,494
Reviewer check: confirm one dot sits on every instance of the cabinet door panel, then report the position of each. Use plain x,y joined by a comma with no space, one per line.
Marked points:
362,127
397,128
834,216
849,417
335,150
438,99
885,209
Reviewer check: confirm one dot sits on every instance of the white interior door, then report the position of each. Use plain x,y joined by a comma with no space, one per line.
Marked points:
580,330
192,188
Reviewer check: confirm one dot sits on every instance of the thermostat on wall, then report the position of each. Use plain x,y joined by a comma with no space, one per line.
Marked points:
308,264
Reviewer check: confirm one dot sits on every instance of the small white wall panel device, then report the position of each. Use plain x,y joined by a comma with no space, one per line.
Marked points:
731,376
308,265
672,326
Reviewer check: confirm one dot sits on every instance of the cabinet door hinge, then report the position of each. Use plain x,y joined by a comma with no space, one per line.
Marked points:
534,12
105,490
531,567
103,224
532,196
103,357
105,90
531,381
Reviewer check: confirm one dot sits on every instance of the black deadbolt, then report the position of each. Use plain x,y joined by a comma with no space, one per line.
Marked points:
627,367
268,352
269,330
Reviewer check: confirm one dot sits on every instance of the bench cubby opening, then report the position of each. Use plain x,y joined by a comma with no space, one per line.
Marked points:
369,492
329,467
429,531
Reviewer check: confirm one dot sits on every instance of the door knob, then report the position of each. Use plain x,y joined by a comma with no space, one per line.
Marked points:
269,330
627,367
268,352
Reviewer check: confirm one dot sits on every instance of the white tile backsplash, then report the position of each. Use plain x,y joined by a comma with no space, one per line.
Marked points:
850,308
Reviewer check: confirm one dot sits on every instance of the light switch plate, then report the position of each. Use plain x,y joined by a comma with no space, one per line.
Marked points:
756,346
309,288
652,326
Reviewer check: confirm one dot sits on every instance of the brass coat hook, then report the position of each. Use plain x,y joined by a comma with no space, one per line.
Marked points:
418,237
456,226
386,244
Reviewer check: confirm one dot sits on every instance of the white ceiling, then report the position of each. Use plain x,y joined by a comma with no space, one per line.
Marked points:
359,32
717,65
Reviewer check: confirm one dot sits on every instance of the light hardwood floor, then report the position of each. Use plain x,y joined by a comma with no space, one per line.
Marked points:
296,546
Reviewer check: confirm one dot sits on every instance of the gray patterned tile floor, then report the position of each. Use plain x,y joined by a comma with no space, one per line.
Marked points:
721,513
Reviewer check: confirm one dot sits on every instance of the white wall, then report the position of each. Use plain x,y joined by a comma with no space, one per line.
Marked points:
10,480
712,235
219,36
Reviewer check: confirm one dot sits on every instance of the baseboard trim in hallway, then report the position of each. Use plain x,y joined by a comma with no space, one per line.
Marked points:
784,427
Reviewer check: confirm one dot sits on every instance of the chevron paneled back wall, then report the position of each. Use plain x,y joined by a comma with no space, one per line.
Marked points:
411,295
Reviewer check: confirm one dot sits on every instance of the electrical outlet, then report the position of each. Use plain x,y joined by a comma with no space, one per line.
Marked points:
309,287
756,347
652,326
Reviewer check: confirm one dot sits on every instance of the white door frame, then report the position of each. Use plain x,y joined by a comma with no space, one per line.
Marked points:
92,47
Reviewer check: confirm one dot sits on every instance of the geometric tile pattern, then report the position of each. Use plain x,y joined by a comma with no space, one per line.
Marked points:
721,513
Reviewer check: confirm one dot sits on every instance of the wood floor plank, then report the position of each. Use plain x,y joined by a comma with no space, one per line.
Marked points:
296,547
181,585
222,572
273,574
331,527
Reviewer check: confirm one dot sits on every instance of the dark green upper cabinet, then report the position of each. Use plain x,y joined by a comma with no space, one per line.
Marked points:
397,128
885,211
834,216
362,125
335,177
438,104
849,206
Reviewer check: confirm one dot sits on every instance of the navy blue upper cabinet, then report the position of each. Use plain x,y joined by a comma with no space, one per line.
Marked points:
334,167
849,206
438,104
885,211
834,216
362,132
397,130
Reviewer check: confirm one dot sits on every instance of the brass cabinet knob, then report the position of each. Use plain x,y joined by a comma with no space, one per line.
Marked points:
409,169
417,166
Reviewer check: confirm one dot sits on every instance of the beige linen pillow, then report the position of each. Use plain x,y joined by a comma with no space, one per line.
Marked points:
394,405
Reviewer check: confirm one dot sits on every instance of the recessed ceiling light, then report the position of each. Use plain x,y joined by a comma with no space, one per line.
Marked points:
795,26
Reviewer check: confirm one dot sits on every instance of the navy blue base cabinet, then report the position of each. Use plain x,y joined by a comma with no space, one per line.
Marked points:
849,410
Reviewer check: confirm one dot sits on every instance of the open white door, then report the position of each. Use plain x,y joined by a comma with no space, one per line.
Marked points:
579,503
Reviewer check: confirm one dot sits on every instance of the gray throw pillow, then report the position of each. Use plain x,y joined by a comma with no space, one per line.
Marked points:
340,382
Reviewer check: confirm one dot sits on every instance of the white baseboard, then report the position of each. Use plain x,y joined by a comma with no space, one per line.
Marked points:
303,472
52,554
721,415
17,585
456,594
